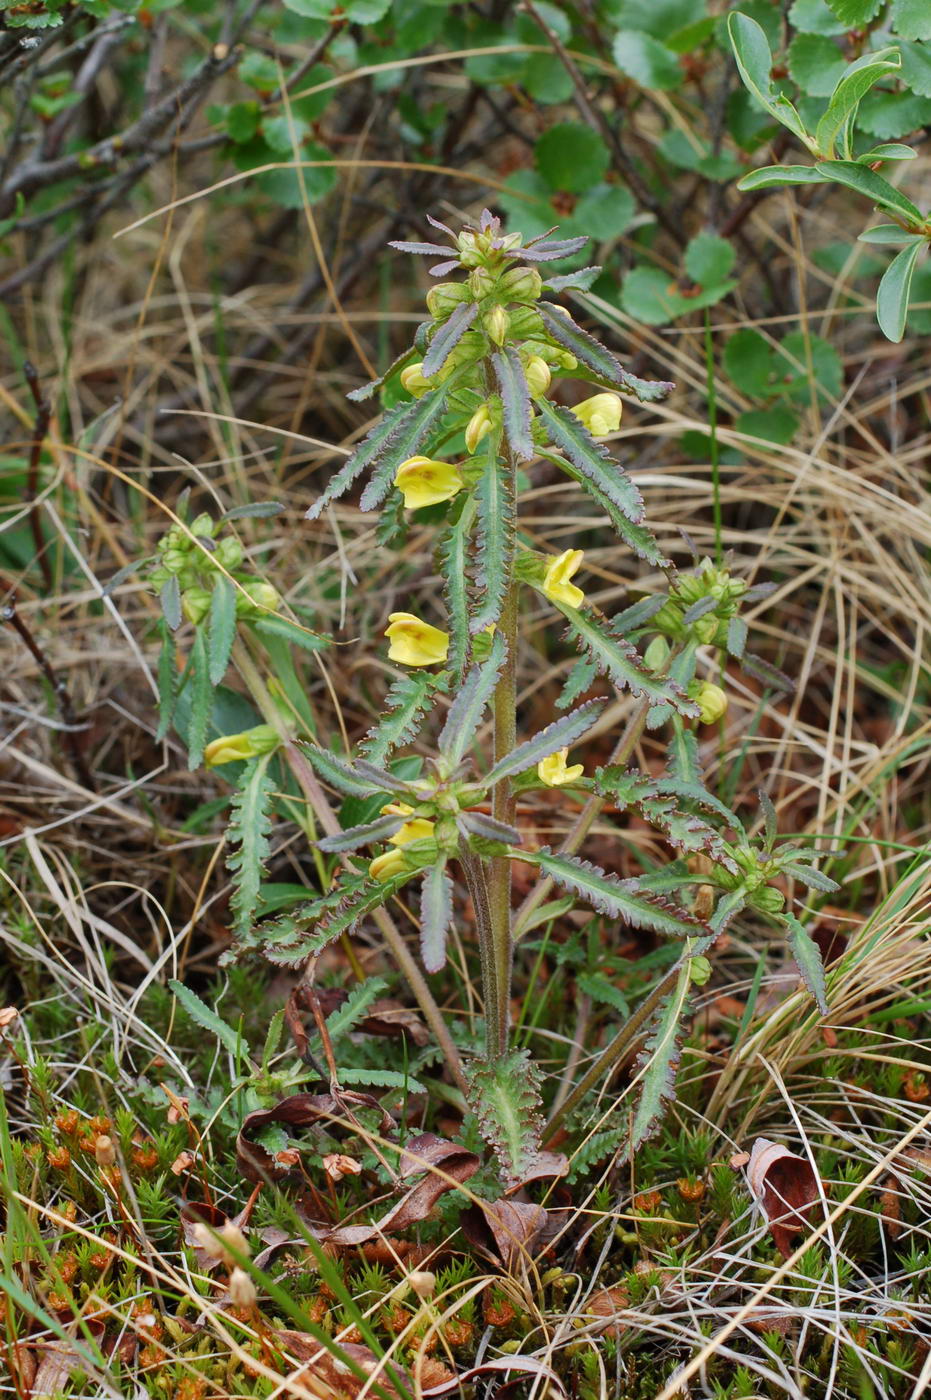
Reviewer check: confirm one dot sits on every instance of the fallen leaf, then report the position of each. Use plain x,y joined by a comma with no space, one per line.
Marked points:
341,1377
183,1162
605,1305
504,1231
890,1206
529,1365
785,1186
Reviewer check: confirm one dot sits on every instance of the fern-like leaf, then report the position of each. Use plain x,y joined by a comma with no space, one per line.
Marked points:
559,735
619,661
247,834
659,1062
515,401
495,542
407,700
591,353
616,898
436,914
591,459
453,554
504,1095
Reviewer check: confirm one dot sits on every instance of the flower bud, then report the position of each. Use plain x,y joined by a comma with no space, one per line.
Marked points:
195,604
230,1237
174,560
712,702
497,323
413,380
482,283
422,1282
522,284
699,970
656,654
242,1290
257,598
443,299
204,525
479,425
236,748
470,255
229,553
768,899
538,376
386,867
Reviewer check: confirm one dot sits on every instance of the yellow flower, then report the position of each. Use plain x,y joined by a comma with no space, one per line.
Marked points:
420,829
556,583
423,482
234,748
415,643
554,770
387,866
413,380
601,414
712,702
538,375
478,426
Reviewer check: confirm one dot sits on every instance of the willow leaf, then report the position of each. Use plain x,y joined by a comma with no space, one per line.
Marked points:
436,913
558,735
515,400
616,898
619,660
495,542
588,456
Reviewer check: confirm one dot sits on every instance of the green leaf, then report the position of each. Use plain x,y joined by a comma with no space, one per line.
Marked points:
273,626
814,17
407,700
751,363
807,956
287,943
453,552
644,59
504,1095
447,336
888,116
170,597
854,14
201,692
495,540
849,93
201,1013
167,681
873,186
618,659
247,834
587,350
916,68
222,627
615,898
592,460
772,176
777,424
562,733
242,120
381,1079
571,157
813,362
436,914
683,754
648,296
656,1067
515,399
912,19
607,211
889,233
342,775
755,62
892,297
816,64
468,709
709,258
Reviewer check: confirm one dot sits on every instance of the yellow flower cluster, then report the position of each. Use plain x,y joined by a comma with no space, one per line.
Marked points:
556,583
556,772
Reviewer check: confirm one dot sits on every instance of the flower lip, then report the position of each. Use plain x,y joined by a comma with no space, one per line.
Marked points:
555,772
556,584
601,413
415,642
425,482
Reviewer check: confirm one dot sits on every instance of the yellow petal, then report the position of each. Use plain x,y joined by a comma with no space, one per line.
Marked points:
396,809
554,770
420,829
415,643
423,482
556,583
387,866
601,413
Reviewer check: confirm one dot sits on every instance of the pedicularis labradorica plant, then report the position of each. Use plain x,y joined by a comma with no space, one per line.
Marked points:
481,410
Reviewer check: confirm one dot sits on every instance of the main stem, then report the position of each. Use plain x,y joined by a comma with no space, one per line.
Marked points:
497,1009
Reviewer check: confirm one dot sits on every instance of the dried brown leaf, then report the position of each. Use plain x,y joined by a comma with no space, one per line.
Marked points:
785,1187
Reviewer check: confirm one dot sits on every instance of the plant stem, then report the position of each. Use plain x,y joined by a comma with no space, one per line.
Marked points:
498,998
613,1052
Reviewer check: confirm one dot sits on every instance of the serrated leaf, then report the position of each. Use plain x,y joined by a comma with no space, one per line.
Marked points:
587,350
620,662
770,824
683,754
644,59
580,679
208,1019
494,550
248,836
912,19
808,875
616,898
222,627
808,959
344,776
594,985
468,709
365,391
423,416
504,1095
562,733
893,294
736,637
571,157
659,1062
272,625
709,258
253,510
856,13
486,828
288,944
453,552
872,186
515,399
580,280
816,64
447,337
355,836
436,913
639,538
381,1079
402,707
170,597
591,459
167,682
201,700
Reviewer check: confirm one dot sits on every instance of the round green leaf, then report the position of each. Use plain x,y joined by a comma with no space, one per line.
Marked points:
646,60
571,157
814,17
916,67
891,115
709,258
912,18
855,13
777,424
816,64
750,362
606,211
